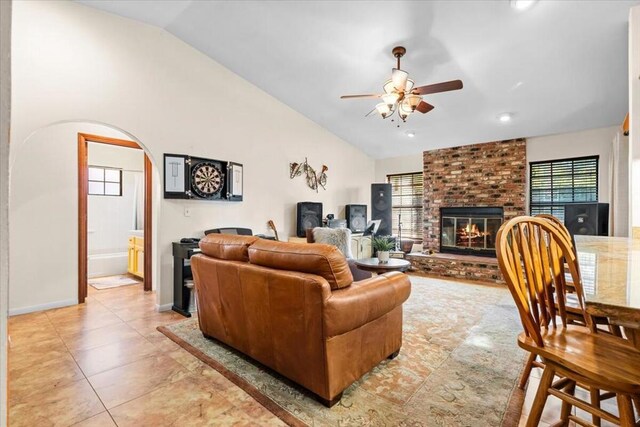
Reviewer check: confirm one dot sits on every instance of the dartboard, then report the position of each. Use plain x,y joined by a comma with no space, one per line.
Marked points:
206,179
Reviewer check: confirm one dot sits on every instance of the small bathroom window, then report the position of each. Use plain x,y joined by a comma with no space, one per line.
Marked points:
105,181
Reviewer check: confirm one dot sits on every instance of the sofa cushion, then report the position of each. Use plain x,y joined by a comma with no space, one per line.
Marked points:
323,260
227,246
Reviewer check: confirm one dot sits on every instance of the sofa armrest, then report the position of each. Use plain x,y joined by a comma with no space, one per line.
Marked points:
358,275
349,308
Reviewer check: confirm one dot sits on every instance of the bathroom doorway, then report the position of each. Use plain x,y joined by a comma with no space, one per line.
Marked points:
116,250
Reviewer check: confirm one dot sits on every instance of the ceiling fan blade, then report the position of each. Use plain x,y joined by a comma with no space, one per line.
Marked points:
438,87
371,95
424,107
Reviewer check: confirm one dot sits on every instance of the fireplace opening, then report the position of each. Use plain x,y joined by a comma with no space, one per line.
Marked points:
470,230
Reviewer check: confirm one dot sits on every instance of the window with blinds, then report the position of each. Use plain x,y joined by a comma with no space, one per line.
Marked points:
552,184
406,204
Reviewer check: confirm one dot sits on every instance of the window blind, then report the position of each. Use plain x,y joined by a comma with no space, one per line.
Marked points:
406,204
552,184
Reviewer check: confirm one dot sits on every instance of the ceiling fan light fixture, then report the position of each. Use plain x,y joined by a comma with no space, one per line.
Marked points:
409,86
391,99
401,95
388,86
412,101
404,110
399,78
383,109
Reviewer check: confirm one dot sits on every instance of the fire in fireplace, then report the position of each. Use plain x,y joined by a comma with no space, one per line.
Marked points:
470,230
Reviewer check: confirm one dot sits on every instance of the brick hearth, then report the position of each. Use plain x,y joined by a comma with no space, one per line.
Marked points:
462,267
492,174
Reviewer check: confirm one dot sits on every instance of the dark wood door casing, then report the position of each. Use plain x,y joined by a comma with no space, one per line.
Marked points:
83,183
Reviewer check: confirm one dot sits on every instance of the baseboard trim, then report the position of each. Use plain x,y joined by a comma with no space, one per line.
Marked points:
40,307
164,307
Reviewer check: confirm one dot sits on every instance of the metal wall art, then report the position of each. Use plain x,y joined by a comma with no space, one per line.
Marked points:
314,180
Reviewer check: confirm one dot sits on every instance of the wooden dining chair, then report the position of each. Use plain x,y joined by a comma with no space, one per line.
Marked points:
574,315
531,254
574,312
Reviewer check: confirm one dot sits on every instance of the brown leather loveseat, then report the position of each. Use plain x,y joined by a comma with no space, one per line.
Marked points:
295,308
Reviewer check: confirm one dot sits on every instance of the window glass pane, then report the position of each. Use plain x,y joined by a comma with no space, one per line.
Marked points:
557,182
112,189
112,175
96,174
96,187
406,199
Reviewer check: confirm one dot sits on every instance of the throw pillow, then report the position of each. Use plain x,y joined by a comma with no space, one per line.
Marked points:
338,237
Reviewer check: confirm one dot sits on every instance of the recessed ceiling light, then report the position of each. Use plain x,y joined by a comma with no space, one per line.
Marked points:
505,117
410,133
522,4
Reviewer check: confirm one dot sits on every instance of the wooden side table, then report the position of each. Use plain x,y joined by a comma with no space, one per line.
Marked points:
375,266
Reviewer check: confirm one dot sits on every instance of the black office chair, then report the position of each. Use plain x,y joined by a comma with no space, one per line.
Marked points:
230,230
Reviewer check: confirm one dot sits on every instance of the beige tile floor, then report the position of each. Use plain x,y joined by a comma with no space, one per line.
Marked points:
103,363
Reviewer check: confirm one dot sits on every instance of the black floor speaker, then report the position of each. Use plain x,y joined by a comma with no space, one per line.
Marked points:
308,215
587,219
381,207
356,217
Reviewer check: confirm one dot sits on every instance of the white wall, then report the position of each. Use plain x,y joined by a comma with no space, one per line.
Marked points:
44,211
110,219
576,144
395,165
5,119
172,99
635,202
634,110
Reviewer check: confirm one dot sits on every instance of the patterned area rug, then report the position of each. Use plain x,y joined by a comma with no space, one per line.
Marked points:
458,366
116,281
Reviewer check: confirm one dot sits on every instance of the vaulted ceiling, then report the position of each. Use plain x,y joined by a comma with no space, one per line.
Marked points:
560,66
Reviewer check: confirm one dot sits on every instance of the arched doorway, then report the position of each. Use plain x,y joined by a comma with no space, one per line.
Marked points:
44,214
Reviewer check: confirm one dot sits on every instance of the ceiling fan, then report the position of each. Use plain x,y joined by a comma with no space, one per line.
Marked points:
400,95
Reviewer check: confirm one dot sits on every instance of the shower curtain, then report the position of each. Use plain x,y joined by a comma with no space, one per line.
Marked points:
138,201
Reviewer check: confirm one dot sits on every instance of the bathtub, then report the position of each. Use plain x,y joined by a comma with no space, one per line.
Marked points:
107,264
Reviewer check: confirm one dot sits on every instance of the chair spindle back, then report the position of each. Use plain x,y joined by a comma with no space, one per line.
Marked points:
531,254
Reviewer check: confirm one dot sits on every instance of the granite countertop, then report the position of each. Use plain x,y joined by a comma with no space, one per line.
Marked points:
610,268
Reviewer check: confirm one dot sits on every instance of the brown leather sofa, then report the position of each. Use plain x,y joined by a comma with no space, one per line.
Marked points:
295,308
355,272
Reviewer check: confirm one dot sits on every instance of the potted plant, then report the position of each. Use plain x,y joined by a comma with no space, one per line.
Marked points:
382,245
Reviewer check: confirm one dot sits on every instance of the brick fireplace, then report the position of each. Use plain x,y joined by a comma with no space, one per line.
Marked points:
470,230
489,175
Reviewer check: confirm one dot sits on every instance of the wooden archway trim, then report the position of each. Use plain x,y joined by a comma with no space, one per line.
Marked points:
83,190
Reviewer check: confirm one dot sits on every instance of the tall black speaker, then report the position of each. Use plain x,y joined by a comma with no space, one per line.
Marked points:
381,207
356,217
589,219
308,215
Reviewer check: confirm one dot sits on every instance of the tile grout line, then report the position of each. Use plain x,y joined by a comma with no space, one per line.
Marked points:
93,303
80,368
83,374
108,410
